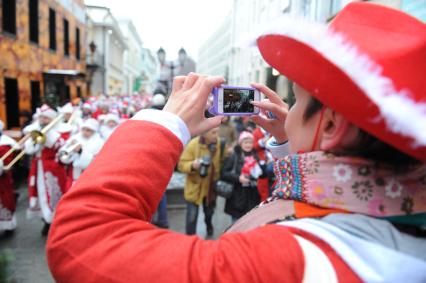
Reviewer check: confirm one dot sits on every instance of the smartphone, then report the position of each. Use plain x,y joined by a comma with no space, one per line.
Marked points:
235,101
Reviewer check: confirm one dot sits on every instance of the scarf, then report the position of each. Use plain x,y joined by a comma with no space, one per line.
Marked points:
321,183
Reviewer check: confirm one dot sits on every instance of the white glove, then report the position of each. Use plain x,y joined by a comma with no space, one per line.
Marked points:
1,167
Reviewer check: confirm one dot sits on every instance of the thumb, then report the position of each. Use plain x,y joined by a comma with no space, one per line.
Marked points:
208,124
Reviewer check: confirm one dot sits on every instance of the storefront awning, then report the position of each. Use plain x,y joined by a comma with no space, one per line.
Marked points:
72,73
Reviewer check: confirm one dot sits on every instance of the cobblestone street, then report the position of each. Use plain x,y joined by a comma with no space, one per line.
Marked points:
28,245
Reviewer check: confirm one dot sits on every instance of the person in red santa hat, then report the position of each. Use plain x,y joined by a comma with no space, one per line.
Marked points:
259,143
47,178
81,149
7,190
353,185
111,122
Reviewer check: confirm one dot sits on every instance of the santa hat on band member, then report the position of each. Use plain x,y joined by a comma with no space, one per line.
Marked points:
87,106
369,65
245,135
112,117
48,112
67,108
91,124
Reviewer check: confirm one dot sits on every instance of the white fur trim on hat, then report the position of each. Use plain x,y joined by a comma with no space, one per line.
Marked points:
112,117
158,100
91,124
402,114
67,108
48,112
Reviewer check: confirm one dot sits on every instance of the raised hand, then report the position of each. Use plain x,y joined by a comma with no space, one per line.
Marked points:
279,108
189,98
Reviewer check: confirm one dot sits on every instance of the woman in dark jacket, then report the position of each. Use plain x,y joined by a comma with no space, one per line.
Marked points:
242,169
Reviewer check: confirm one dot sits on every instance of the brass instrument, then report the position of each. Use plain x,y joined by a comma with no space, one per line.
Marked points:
65,154
38,137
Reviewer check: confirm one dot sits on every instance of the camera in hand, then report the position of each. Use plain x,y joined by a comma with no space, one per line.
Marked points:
204,166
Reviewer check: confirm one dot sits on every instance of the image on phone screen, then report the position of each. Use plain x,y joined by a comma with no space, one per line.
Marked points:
238,100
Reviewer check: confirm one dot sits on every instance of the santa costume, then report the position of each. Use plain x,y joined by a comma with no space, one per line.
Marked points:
90,147
47,178
7,193
111,122
369,56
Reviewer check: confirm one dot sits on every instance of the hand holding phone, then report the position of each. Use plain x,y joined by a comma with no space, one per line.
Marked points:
235,101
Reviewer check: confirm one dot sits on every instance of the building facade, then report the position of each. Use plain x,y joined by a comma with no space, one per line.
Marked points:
107,45
133,64
149,71
42,55
214,54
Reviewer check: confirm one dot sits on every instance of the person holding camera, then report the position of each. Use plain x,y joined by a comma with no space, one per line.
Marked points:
349,204
242,169
201,162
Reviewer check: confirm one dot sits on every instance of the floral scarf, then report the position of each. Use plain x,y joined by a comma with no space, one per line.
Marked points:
351,184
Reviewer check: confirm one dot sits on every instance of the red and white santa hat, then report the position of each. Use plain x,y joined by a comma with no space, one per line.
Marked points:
91,124
112,117
48,112
66,109
369,65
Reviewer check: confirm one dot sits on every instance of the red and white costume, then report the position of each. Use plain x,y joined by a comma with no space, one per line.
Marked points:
89,149
105,130
47,178
110,208
7,193
259,146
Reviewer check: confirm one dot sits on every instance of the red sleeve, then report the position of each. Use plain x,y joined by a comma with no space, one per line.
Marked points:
101,234
258,135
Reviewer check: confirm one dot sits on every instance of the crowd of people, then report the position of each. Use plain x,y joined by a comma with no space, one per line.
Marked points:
59,145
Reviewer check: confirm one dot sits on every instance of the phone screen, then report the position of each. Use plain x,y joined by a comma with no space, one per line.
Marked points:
238,100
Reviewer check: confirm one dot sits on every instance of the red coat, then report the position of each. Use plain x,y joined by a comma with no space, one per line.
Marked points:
7,194
262,183
102,233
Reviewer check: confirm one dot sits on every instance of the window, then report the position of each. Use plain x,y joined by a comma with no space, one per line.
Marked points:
79,91
33,10
9,16
77,43
35,95
12,102
52,29
66,38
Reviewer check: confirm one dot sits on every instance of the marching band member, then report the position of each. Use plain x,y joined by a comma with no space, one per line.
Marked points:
7,194
47,178
72,121
82,148
111,123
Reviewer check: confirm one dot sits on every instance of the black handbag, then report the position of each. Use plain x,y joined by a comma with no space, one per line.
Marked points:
224,188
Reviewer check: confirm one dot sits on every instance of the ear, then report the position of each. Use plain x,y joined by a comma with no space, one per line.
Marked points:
335,130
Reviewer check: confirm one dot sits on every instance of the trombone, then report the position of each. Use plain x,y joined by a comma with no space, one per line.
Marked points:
38,137
65,154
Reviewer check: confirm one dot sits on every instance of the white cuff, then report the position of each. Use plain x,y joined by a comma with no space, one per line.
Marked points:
277,150
168,120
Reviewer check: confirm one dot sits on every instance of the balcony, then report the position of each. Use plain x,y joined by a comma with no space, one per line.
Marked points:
95,60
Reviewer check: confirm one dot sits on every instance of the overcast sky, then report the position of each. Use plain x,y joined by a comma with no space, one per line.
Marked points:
171,24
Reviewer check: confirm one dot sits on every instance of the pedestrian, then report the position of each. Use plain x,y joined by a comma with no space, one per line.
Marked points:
201,162
243,170
259,143
162,220
47,178
342,213
7,190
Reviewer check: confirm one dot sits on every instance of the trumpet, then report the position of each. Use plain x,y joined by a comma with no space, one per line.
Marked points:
38,137
66,153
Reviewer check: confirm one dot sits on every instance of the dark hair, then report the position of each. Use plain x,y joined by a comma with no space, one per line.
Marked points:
369,146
